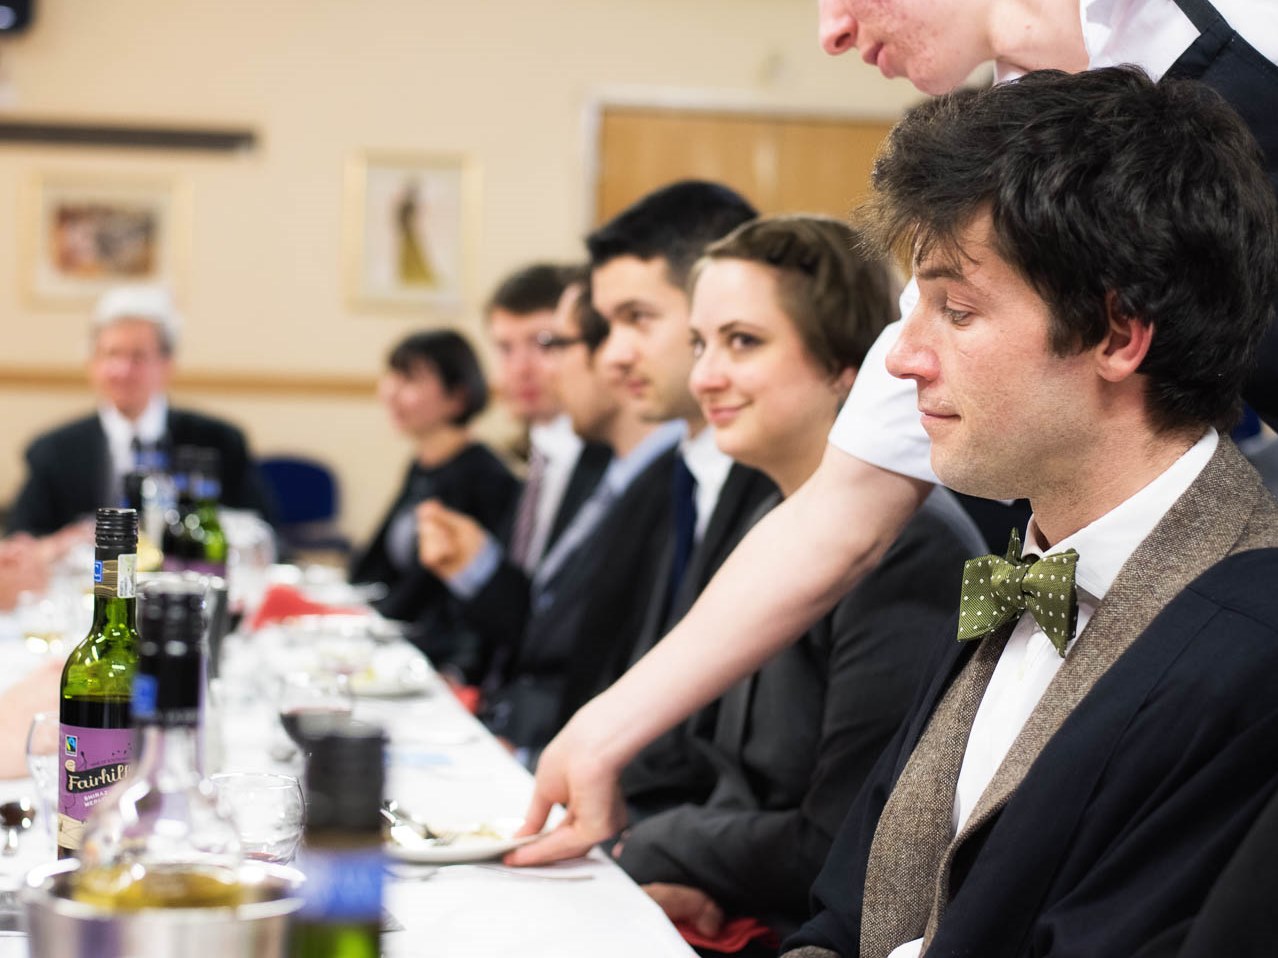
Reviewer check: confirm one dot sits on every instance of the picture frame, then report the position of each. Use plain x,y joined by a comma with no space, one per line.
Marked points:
410,230
88,232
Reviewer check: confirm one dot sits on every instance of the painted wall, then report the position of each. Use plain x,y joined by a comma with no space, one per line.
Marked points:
508,83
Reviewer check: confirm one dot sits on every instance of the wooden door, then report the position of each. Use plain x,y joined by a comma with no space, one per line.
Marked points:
782,164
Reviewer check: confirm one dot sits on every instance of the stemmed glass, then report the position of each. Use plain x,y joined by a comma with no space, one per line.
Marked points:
309,700
268,810
42,762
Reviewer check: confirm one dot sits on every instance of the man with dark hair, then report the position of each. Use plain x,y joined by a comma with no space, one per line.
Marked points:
819,542
561,471
639,265
1096,256
543,627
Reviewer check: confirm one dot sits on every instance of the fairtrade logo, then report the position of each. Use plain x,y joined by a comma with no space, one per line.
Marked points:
72,744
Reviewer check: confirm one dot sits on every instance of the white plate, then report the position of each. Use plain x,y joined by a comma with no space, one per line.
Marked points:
464,848
381,686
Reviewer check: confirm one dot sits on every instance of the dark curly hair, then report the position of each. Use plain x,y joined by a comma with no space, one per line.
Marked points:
1105,191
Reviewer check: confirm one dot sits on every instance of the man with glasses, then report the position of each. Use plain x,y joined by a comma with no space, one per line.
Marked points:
75,468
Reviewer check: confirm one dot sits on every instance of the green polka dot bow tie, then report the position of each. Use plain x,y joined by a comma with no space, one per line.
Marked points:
997,590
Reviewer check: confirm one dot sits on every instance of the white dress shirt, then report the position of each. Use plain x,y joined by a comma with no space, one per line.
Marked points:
561,448
1029,661
148,429
709,466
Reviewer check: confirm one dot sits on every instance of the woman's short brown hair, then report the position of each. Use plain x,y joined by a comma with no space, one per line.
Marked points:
838,297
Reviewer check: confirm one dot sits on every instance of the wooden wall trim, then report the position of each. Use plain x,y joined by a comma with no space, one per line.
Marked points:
206,381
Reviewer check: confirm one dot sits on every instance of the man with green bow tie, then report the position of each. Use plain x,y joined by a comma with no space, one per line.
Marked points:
1096,256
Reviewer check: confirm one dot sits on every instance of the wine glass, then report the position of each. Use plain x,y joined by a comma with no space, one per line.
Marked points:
42,762
310,700
268,810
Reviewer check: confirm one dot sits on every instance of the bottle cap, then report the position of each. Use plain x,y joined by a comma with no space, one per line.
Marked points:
344,776
117,529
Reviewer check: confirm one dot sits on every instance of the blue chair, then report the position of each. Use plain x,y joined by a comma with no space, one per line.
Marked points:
307,503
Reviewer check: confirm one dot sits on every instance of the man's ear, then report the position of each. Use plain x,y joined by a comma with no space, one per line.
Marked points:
1126,343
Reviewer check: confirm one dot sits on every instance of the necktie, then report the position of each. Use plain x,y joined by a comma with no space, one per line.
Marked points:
685,526
997,590
521,536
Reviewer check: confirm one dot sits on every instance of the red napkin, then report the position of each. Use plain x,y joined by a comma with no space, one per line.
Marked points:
736,934
284,602
467,695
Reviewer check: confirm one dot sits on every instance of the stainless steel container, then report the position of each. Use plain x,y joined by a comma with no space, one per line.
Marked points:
63,928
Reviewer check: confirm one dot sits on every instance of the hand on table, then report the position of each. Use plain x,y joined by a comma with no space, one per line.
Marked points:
687,904
23,568
569,774
35,692
448,541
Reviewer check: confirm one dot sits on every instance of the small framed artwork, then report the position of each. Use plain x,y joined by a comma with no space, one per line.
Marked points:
89,233
410,230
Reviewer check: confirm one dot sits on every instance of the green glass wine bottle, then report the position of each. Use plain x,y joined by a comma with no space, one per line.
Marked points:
341,852
96,741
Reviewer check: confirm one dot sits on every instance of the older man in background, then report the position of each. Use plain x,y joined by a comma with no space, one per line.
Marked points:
77,467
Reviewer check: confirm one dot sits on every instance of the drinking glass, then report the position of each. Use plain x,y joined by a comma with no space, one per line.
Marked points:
42,762
308,699
267,809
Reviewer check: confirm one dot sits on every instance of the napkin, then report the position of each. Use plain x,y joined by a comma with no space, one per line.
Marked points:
284,602
735,935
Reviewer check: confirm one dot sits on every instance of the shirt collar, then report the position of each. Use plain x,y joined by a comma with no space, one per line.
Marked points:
555,439
148,427
623,470
708,464
1105,544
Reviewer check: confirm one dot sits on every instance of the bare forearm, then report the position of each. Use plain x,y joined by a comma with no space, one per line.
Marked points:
786,573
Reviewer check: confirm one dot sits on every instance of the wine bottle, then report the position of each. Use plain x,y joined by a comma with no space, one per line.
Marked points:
159,841
207,492
96,737
341,853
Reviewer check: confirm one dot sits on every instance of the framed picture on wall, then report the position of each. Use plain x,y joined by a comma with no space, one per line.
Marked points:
89,233
410,224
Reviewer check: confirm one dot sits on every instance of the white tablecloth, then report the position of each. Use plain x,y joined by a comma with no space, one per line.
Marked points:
445,767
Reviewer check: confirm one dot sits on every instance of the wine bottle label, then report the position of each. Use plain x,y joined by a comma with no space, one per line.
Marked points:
341,885
92,760
116,578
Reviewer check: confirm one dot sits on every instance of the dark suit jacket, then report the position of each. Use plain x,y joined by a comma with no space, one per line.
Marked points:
795,741
69,471
589,468
1238,919
499,612
1136,776
474,482
671,771
597,598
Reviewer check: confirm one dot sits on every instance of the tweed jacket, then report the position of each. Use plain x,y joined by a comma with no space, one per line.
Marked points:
1130,784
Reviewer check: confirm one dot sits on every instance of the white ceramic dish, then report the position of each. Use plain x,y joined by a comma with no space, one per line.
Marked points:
495,839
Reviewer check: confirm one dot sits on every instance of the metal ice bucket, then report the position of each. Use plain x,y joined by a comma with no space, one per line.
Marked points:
63,928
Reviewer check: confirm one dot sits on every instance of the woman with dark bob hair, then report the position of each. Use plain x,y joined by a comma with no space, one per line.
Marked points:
432,388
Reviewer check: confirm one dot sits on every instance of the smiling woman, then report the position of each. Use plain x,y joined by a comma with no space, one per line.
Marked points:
783,312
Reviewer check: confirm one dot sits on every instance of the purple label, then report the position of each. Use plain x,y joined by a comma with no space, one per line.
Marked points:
91,761
342,886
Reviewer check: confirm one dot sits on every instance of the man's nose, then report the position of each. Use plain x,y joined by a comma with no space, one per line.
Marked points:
618,349
837,27
910,357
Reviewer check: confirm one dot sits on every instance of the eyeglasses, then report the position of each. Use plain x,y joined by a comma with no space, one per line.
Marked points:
552,343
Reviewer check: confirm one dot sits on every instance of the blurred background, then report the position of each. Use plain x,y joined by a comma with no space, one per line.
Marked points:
269,148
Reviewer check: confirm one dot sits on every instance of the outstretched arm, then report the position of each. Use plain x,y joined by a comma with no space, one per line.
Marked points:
792,567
